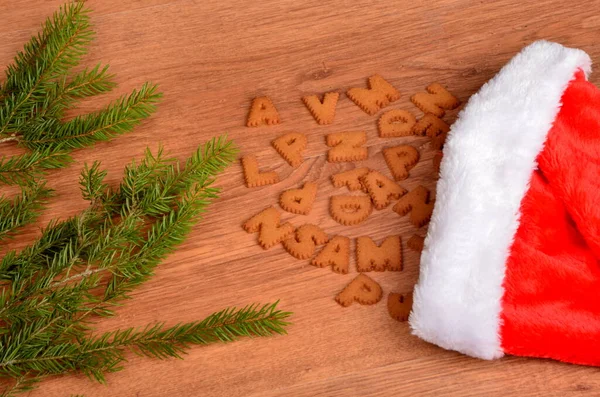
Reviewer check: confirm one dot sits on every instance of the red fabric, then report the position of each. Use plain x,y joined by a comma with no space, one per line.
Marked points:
551,304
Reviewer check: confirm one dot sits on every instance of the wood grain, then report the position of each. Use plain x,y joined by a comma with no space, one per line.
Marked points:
211,58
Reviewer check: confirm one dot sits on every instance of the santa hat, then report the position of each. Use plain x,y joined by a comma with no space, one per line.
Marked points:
511,263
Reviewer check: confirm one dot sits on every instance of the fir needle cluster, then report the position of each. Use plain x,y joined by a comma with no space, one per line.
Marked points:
84,266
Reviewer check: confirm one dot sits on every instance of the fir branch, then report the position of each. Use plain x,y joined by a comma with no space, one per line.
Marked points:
23,209
27,168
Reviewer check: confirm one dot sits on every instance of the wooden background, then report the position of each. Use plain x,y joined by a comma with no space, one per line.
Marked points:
211,58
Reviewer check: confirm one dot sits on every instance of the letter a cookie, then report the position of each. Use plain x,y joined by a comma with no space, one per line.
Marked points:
417,203
262,111
379,94
347,146
290,146
322,111
266,223
387,256
299,201
382,189
363,289
335,254
431,126
436,100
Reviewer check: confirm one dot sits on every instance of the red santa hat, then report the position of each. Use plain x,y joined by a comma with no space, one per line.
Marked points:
511,263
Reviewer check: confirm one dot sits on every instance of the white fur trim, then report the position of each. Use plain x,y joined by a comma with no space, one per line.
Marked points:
488,160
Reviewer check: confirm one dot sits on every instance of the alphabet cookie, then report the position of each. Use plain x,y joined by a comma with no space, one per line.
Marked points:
379,94
255,178
363,289
262,111
400,159
290,146
350,179
347,146
397,122
335,254
400,305
270,232
323,111
350,210
436,100
430,125
370,256
417,203
416,243
299,201
437,161
303,244
382,189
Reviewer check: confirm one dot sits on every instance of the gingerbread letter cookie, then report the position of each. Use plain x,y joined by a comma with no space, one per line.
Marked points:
351,179
435,100
299,201
350,210
322,111
437,161
302,245
400,305
262,111
387,256
267,224
290,146
400,159
417,203
382,189
347,146
363,289
379,94
430,125
416,243
255,178
335,254
395,123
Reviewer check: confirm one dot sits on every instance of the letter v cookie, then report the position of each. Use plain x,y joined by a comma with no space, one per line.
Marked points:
291,146
382,189
303,244
262,111
363,289
436,100
335,254
270,232
255,178
299,201
379,94
347,146
351,179
400,159
322,111
417,203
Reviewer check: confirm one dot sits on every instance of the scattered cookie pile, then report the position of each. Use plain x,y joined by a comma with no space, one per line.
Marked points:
380,191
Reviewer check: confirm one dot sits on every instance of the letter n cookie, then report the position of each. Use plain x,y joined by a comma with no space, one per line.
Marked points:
431,126
382,189
290,146
299,201
347,146
417,203
400,305
262,111
379,94
436,100
350,179
323,111
395,123
255,178
335,254
370,256
350,210
266,223
363,289
307,237
400,159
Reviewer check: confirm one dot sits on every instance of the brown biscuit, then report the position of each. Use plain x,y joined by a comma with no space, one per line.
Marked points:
437,142
400,159
290,146
299,201
322,111
302,245
395,123
417,203
267,224
430,125
351,179
347,146
387,256
382,189
255,178
262,111
416,243
400,305
436,100
335,254
363,289
379,94
350,210
437,161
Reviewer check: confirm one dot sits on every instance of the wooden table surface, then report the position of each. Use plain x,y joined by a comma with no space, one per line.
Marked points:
211,58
